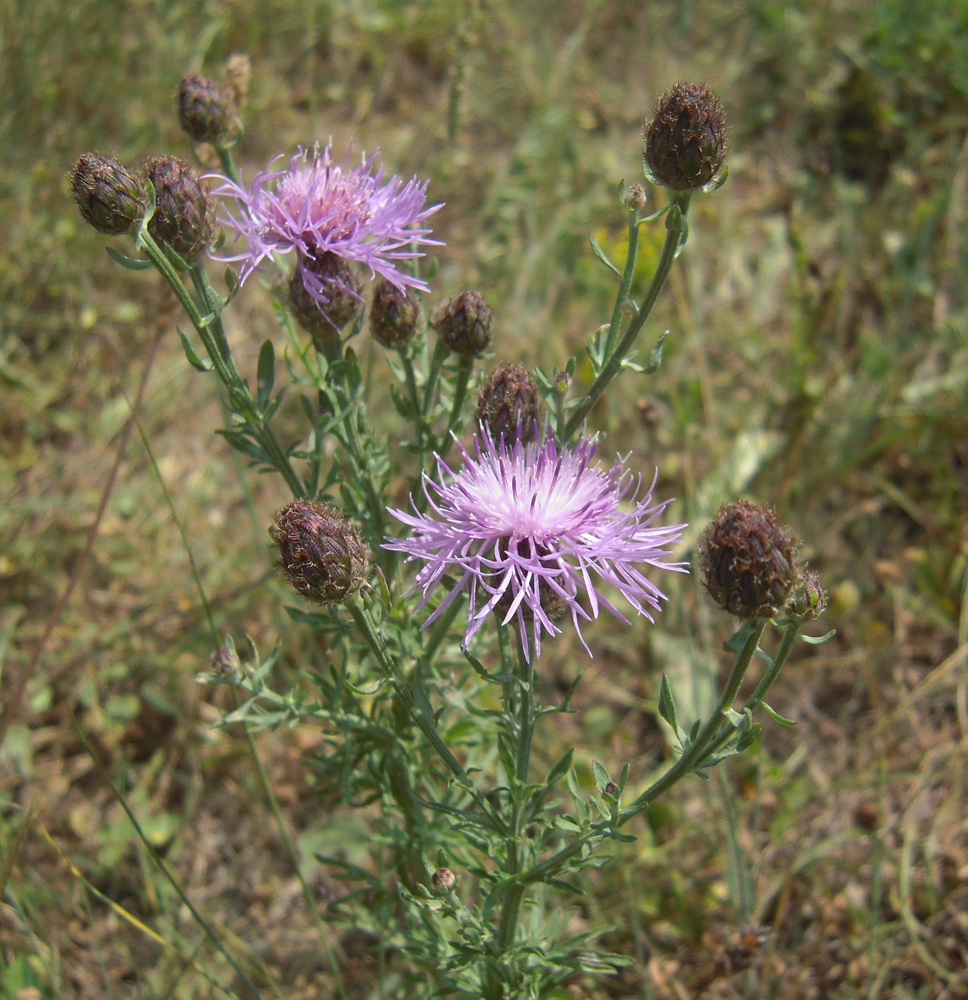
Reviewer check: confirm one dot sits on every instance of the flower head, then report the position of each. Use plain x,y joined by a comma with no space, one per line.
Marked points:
530,531
316,206
748,560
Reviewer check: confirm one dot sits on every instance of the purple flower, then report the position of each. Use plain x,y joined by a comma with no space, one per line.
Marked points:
532,534
318,207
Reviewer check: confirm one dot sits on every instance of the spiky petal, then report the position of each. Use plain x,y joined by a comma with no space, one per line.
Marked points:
527,531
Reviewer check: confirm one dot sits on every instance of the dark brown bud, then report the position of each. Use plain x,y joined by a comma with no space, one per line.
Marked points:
610,788
443,879
464,323
508,401
203,109
184,218
110,198
320,551
324,295
685,142
808,599
748,560
393,315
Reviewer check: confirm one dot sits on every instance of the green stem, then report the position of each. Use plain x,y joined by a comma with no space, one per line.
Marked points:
676,232
710,731
626,282
707,738
426,726
521,692
464,369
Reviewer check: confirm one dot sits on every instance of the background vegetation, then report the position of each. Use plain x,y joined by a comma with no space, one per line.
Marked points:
818,361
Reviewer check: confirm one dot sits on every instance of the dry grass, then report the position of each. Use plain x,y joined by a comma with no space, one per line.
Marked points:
818,318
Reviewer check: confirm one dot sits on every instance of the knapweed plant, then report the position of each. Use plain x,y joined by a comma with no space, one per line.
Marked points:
434,614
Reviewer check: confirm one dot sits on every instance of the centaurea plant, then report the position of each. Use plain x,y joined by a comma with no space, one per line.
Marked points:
430,693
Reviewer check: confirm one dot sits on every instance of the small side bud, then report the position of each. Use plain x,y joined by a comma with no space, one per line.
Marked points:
184,217
464,323
235,81
508,401
393,315
225,660
808,599
203,110
748,560
443,879
636,199
685,141
324,295
109,196
320,551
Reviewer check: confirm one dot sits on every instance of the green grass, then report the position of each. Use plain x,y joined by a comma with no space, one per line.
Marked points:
817,361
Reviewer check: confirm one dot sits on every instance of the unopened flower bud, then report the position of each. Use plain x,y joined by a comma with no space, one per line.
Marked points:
636,199
464,323
184,218
610,788
443,879
320,551
509,401
203,109
235,80
748,560
685,141
393,315
808,599
225,660
108,195
324,295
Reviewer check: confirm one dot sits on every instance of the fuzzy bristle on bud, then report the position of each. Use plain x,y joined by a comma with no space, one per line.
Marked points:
509,401
203,109
393,315
324,295
808,599
184,217
464,323
685,140
444,879
109,196
320,551
748,560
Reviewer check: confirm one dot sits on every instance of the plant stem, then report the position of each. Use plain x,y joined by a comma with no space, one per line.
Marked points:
676,232
426,726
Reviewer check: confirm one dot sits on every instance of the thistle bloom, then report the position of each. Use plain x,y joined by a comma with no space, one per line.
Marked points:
318,207
526,530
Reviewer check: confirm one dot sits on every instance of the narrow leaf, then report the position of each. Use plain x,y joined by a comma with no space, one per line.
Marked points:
194,360
602,256
776,717
266,373
667,704
131,263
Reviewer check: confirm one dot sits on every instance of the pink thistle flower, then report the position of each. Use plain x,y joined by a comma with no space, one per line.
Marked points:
318,207
531,533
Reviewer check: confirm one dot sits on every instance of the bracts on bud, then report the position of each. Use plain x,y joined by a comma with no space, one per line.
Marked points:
203,109
393,315
748,560
320,552
464,323
108,195
184,217
324,295
685,141
509,401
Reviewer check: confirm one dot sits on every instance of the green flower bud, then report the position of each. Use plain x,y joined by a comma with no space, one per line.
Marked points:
748,560
685,141
464,323
808,599
320,551
110,198
184,218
